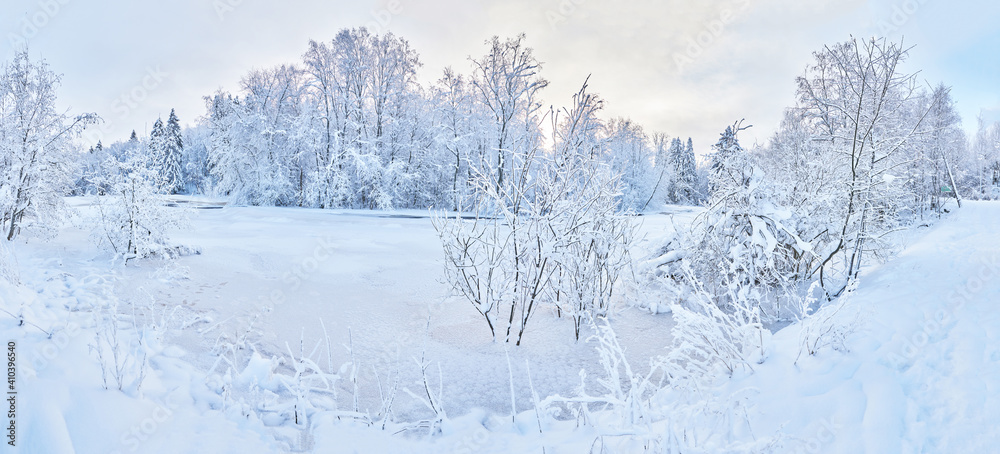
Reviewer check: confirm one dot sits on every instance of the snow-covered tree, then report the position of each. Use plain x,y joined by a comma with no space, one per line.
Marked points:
171,160
687,175
744,248
254,138
157,147
985,157
366,139
37,159
857,107
550,236
507,83
664,170
684,187
938,152
132,219
627,150
90,170
457,132
197,178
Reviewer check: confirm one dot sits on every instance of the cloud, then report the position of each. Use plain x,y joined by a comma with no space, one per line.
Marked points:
681,67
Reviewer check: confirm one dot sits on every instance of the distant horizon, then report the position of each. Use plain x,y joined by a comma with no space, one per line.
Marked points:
685,70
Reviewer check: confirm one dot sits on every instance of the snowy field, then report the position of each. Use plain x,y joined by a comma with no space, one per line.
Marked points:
372,279
919,375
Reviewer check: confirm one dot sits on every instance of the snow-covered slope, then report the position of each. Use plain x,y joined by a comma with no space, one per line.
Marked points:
922,375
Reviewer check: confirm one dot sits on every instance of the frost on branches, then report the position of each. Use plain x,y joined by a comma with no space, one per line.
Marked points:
36,162
548,236
132,218
741,247
166,146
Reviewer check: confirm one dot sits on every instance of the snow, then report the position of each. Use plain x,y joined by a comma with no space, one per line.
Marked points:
920,374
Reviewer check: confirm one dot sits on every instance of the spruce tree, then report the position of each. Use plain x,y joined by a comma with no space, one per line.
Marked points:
688,171
728,163
675,155
684,190
171,160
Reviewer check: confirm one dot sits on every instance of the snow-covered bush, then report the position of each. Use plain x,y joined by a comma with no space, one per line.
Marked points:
282,389
708,339
592,238
827,325
502,260
132,219
591,247
119,347
668,408
740,248
550,235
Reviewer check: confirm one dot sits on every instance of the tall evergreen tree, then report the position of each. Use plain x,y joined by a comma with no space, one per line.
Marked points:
684,189
166,154
688,173
728,164
171,159
157,146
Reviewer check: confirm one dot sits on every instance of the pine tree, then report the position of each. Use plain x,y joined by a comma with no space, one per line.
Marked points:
727,169
684,189
166,154
157,149
171,167
688,171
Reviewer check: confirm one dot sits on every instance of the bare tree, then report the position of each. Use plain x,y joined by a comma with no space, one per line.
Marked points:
857,101
551,236
507,81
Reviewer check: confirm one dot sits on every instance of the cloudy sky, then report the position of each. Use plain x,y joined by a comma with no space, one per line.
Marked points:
687,68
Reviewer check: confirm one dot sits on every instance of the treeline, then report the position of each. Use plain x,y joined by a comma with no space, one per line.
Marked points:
350,126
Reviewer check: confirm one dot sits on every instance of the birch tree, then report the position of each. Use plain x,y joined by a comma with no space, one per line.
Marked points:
37,162
856,101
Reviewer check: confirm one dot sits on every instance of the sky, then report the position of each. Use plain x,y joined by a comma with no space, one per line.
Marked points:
686,68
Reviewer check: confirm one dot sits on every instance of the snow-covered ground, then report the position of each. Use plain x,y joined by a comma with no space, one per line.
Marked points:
919,376
372,279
